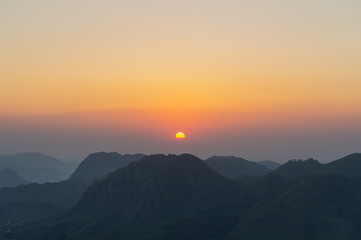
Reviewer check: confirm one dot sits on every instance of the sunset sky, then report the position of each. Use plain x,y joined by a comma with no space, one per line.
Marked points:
257,79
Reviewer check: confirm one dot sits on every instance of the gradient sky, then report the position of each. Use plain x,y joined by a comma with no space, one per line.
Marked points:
257,79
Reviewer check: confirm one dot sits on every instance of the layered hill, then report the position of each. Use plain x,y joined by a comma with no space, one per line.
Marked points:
233,167
349,166
37,167
180,198
322,207
98,165
55,197
153,198
269,164
9,178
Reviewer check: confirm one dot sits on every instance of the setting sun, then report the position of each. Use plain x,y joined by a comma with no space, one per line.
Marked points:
180,135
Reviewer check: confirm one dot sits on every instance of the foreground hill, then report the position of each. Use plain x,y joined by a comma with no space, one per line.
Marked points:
148,199
48,198
232,167
37,167
323,207
9,178
349,166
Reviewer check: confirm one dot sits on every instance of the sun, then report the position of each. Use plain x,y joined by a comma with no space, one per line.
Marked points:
180,135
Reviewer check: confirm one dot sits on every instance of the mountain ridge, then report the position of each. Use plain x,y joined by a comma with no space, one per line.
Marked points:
348,166
233,167
98,165
38,167
153,191
54,196
10,178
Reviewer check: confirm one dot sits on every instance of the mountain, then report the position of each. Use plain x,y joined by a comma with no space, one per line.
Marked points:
98,165
349,166
320,207
269,164
232,167
55,197
157,197
180,198
37,167
9,178
246,179
299,168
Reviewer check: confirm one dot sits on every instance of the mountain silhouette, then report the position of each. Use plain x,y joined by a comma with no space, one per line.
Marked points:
269,164
233,167
9,178
98,165
37,167
142,200
319,207
55,197
180,197
349,166
299,168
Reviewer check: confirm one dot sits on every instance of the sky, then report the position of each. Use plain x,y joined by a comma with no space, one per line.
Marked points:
258,79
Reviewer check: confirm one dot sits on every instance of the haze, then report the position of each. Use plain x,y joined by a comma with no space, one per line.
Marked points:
259,79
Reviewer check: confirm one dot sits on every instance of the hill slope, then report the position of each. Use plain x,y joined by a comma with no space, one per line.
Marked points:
146,200
232,167
98,165
269,164
323,207
180,198
37,167
57,196
9,178
349,166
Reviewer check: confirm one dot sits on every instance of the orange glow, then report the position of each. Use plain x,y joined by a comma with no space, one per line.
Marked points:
180,135
167,74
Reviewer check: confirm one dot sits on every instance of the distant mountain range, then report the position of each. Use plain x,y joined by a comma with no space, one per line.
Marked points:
349,166
49,198
269,164
169,197
9,178
37,167
181,198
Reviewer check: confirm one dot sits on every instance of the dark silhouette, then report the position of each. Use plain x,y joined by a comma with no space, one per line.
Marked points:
232,167
349,166
181,198
321,207
149,199
98,165
49,198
